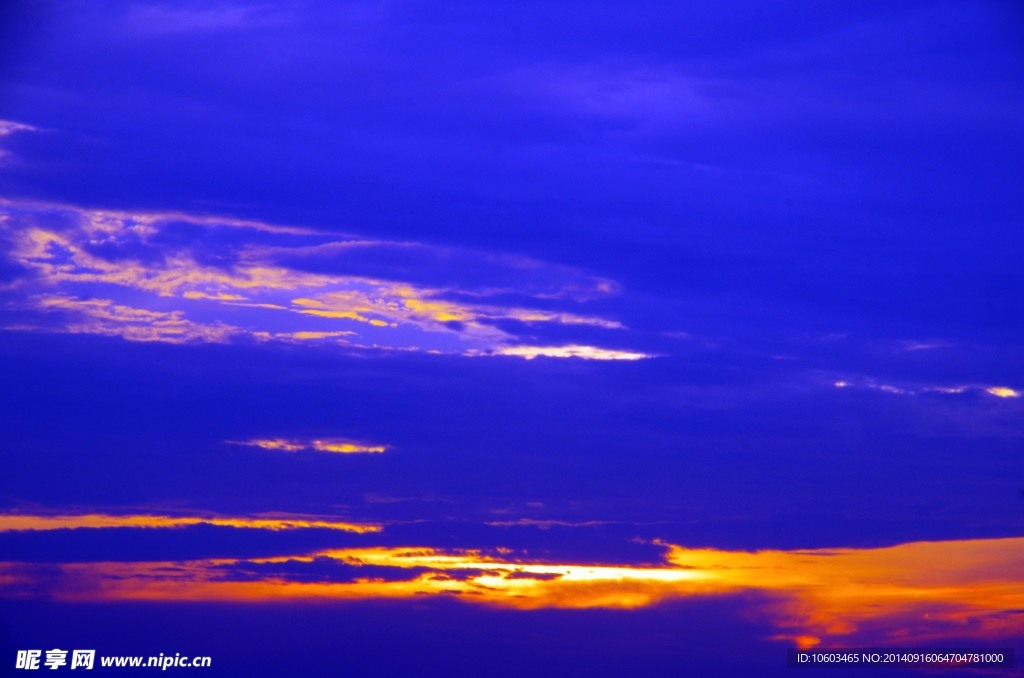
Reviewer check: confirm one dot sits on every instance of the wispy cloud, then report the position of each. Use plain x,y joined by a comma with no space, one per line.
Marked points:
103,316
12,522
178,278
930,345
335,445
7,128
570,351
917,389
546,524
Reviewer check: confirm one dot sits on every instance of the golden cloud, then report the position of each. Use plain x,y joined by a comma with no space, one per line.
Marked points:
73,252
901,594
13,522
337,445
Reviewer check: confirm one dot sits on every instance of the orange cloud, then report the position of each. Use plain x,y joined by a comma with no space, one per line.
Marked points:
900,594
1002,392
13,522
908,592
337,445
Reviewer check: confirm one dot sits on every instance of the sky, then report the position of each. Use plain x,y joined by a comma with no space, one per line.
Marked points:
570,338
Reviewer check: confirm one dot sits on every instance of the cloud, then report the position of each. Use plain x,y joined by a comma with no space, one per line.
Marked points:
914,592
103,316
931,345
335,445
571,351
9,127
179,278
913,390
444,268
12,522
1002,392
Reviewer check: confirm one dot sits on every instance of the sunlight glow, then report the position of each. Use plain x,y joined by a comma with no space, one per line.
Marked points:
906,593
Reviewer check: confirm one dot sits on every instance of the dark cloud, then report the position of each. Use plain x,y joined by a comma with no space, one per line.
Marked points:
327,570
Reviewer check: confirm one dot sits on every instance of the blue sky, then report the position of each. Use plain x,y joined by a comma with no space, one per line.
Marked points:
381,310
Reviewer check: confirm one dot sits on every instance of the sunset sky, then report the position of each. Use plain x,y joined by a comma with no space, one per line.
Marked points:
564,338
